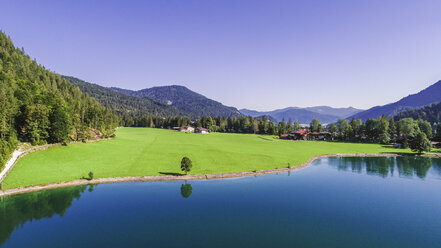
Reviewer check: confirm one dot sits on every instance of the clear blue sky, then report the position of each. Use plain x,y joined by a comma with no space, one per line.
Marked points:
248,54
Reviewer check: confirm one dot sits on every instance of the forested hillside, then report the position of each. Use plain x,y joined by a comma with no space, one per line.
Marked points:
431,113
39,106
184,99
126,105
430,95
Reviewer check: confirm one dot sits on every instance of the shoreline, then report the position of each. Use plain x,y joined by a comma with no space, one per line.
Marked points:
29,189
19,153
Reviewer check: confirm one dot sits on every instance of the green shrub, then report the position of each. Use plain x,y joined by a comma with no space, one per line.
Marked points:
90,175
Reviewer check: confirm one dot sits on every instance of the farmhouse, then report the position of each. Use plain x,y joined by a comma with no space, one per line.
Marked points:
303,134
319,136
299,134
201,130
184,129
284,136
295,135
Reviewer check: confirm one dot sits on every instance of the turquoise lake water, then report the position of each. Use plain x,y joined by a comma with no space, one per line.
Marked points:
335,202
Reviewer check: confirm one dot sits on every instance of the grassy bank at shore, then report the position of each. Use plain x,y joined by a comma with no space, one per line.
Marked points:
153,152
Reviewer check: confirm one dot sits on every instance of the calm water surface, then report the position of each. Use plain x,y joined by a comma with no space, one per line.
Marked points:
335,202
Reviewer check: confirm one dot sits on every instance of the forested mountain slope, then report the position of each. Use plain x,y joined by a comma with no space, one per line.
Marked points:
125,104
184,99
430,113
431,94
39,106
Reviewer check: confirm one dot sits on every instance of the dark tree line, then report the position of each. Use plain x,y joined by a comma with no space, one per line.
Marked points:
431,113
39,106
381,130
415,134
242,124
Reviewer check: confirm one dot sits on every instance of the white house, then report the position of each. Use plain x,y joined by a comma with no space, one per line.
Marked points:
201,130
184,129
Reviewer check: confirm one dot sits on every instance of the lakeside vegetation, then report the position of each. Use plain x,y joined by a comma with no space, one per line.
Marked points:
154,152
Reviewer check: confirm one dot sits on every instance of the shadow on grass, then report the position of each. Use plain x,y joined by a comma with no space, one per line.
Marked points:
265,138
171,173
391,146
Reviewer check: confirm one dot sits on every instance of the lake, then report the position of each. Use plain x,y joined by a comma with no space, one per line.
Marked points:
334,202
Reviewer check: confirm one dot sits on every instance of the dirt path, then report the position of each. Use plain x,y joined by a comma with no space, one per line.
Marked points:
8,166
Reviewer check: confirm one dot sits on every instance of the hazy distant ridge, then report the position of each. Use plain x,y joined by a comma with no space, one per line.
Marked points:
431,94
325,114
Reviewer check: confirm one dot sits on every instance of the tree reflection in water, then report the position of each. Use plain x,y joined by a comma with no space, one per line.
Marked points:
407,166
19,209
186,190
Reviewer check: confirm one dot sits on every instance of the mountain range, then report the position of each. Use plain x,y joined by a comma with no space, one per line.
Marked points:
183,99
324,114
126,104
429,95
176,100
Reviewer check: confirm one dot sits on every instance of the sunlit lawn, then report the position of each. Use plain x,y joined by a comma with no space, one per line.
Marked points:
145,152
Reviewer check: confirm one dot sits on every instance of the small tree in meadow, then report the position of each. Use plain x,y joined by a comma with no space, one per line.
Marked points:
186,165
90,175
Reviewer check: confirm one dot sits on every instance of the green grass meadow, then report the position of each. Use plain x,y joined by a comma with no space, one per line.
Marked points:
148,152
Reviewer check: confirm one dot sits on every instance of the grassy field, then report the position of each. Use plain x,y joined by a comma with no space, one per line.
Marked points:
146,152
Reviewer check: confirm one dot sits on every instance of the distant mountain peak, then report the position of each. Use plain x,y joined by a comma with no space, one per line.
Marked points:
325,114
184,99
121,101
